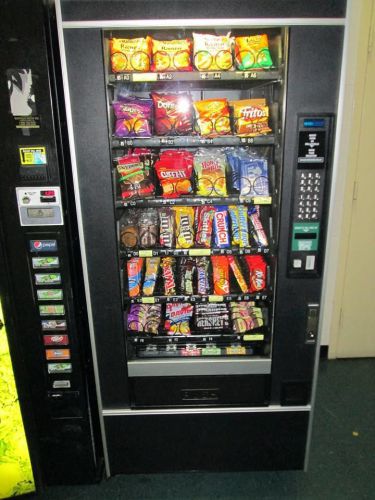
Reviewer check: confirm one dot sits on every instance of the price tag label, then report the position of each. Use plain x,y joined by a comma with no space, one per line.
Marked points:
148,300
262,200
145,253
249,75
215,298
199,252
255,336
145,77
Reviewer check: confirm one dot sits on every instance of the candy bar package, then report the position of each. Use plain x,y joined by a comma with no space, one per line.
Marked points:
134,270
184,221
220,271
212,117
178,316
168,265
252,52
151,274
210,169
148,228
130,54
234,164
221,227
133,117
134,177
173,114
174,170
213,53
129,236
171,55
144,318
240,229
245,317
186,275
204,224
211,317
167,227
234,265
203,283
256,227
258,272
250,117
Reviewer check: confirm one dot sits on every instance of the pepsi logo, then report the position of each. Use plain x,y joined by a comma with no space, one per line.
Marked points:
38,244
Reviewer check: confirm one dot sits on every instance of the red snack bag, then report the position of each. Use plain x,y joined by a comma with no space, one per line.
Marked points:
173,114
220,269
258,272
174,169
134,177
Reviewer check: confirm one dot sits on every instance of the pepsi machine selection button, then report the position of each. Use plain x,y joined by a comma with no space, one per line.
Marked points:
42,246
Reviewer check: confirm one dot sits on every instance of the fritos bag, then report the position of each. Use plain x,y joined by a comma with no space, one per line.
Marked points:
250,117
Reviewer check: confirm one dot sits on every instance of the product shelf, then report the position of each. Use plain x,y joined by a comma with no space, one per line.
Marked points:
193,201
195,299
192,141
194,252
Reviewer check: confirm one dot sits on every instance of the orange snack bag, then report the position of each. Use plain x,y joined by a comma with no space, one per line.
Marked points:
171,55
130,54
250,117
252,52
212,117
220,269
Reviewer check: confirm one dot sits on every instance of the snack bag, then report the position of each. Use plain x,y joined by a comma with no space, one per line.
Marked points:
130,54
133,117
213,53
178,317
252,52
144,318
210,167
220,268
151,274
258,272
212,117
250,117
233,263
184,219
171,55
173,114
174,169
134,177
134,269
168,265
204,224
129,236
254,176
148,228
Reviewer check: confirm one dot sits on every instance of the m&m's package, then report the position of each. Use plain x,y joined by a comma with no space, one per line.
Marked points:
173,114
171,55
250,117
252,52
210,169
212,117
133,117
174,169
213,53
184,223
130,54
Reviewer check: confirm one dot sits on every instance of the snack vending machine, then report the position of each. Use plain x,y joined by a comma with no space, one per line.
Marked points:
201,147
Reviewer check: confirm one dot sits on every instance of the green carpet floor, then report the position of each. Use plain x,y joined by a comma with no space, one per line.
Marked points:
342,460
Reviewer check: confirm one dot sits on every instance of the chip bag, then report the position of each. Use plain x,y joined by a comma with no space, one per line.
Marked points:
134,177
252,52
210,167
133,117
213,53
212,117
178,317
173,114
174,170
130,54
171,55
250,117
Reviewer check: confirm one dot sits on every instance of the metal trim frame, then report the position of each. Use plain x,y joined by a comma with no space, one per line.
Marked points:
202,23
198,366
118,412
330,270
70,127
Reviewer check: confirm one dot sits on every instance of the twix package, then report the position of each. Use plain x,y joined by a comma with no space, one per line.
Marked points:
250,117
130,54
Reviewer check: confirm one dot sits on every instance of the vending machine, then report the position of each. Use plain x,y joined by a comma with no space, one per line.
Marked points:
201,143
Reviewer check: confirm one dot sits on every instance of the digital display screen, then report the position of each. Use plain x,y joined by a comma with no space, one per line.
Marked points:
314,123
40,213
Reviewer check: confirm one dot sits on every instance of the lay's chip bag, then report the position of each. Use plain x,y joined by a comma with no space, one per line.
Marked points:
252,52
212,117
130,54
171,55
213,53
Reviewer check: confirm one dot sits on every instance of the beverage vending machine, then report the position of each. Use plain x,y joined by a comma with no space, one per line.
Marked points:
201,142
